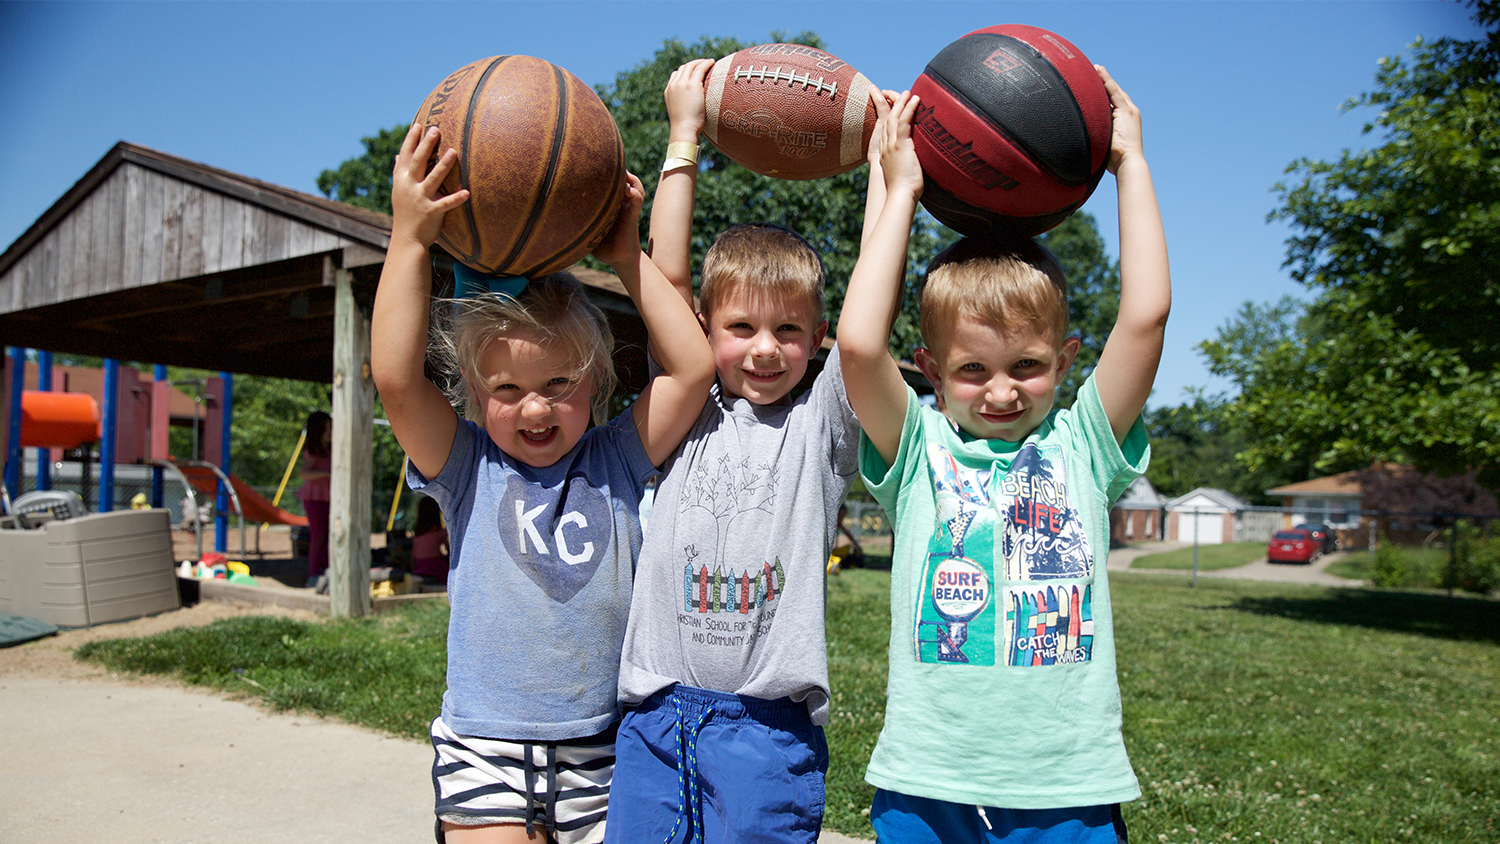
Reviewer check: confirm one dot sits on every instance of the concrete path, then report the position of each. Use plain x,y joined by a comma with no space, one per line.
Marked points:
103,760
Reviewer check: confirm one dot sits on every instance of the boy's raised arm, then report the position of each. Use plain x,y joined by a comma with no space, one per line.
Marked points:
670,239
667,408
872,379
419,413
1127,366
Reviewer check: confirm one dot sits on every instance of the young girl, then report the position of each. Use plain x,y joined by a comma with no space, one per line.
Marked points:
429,543
541,508
317,463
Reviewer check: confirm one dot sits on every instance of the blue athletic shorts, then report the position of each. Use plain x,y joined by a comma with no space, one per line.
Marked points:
698,766
903,819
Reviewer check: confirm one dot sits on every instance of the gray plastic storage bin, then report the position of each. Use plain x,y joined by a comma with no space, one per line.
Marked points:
89,570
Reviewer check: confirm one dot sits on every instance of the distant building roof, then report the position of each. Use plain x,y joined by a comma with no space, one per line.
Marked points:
1343,484
1141,495
1208,496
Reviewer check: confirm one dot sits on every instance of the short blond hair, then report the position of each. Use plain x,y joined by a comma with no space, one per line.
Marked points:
554,310
1009,284
761,260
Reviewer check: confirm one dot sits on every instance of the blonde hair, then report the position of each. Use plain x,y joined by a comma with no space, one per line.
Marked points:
761,260
554,310
1011,285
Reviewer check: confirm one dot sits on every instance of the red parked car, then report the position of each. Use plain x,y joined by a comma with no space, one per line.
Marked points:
1293,546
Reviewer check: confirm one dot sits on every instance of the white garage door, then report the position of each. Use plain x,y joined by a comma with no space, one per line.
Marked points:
1204,528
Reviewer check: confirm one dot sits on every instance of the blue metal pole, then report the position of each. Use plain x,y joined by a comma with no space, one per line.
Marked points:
44,454
13,443
107,439
221,521
158,491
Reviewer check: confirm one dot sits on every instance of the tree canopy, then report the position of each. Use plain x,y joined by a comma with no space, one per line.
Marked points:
365,180
1397,356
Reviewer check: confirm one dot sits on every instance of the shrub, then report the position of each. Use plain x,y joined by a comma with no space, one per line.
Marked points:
1477,567
1400,567
1390,567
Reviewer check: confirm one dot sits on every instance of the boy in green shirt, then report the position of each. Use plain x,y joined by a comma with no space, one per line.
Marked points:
1003,711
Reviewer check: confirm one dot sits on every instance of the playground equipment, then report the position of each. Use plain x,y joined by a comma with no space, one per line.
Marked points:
205,477
58,420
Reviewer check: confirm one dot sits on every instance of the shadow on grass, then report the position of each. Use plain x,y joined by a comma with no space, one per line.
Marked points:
1460,618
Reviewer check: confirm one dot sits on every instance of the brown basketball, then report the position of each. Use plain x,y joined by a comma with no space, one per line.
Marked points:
542,160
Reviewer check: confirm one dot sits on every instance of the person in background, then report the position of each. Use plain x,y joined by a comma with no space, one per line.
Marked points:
429,543
316,470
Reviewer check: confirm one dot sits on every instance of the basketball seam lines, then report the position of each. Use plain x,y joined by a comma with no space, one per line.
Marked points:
463,170
559,134
604,208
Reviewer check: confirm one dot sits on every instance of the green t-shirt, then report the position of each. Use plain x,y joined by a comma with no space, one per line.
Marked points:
1002,688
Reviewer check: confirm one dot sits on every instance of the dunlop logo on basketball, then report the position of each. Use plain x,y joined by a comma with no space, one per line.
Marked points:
960,153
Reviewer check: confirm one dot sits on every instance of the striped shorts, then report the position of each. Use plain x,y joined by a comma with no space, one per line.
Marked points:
562,787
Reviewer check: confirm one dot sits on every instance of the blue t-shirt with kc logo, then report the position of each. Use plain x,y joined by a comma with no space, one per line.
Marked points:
540,579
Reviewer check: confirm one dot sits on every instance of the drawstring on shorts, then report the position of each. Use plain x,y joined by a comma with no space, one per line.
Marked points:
689,797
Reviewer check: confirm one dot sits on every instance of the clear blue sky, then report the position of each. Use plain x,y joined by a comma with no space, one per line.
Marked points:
1231,92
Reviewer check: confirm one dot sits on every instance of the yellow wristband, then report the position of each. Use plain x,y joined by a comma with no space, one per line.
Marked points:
680,154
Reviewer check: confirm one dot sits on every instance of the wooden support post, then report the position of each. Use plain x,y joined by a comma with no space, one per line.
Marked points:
353,456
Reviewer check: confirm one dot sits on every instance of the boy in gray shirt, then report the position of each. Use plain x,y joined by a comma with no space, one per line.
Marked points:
724,668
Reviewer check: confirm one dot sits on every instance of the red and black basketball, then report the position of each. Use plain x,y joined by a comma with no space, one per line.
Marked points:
542,160
1012,132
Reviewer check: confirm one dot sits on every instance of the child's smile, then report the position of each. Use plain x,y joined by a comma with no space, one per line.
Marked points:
761,348
536,402
995,385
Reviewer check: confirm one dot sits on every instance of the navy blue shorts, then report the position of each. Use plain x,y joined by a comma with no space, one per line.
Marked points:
698,766
903,819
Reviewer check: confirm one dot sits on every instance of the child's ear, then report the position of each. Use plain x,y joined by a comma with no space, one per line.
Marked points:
817,337
703,321
928,363
1066,355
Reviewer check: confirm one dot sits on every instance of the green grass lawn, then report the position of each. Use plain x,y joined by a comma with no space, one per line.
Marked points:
1210,557
1354,565
1253,711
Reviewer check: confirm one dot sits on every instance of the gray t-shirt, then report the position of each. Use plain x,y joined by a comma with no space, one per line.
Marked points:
729,587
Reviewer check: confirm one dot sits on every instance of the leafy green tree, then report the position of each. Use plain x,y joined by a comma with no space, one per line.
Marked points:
1398,356
365,180
1195,444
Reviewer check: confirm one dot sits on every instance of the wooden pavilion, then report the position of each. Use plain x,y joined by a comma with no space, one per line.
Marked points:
157,259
